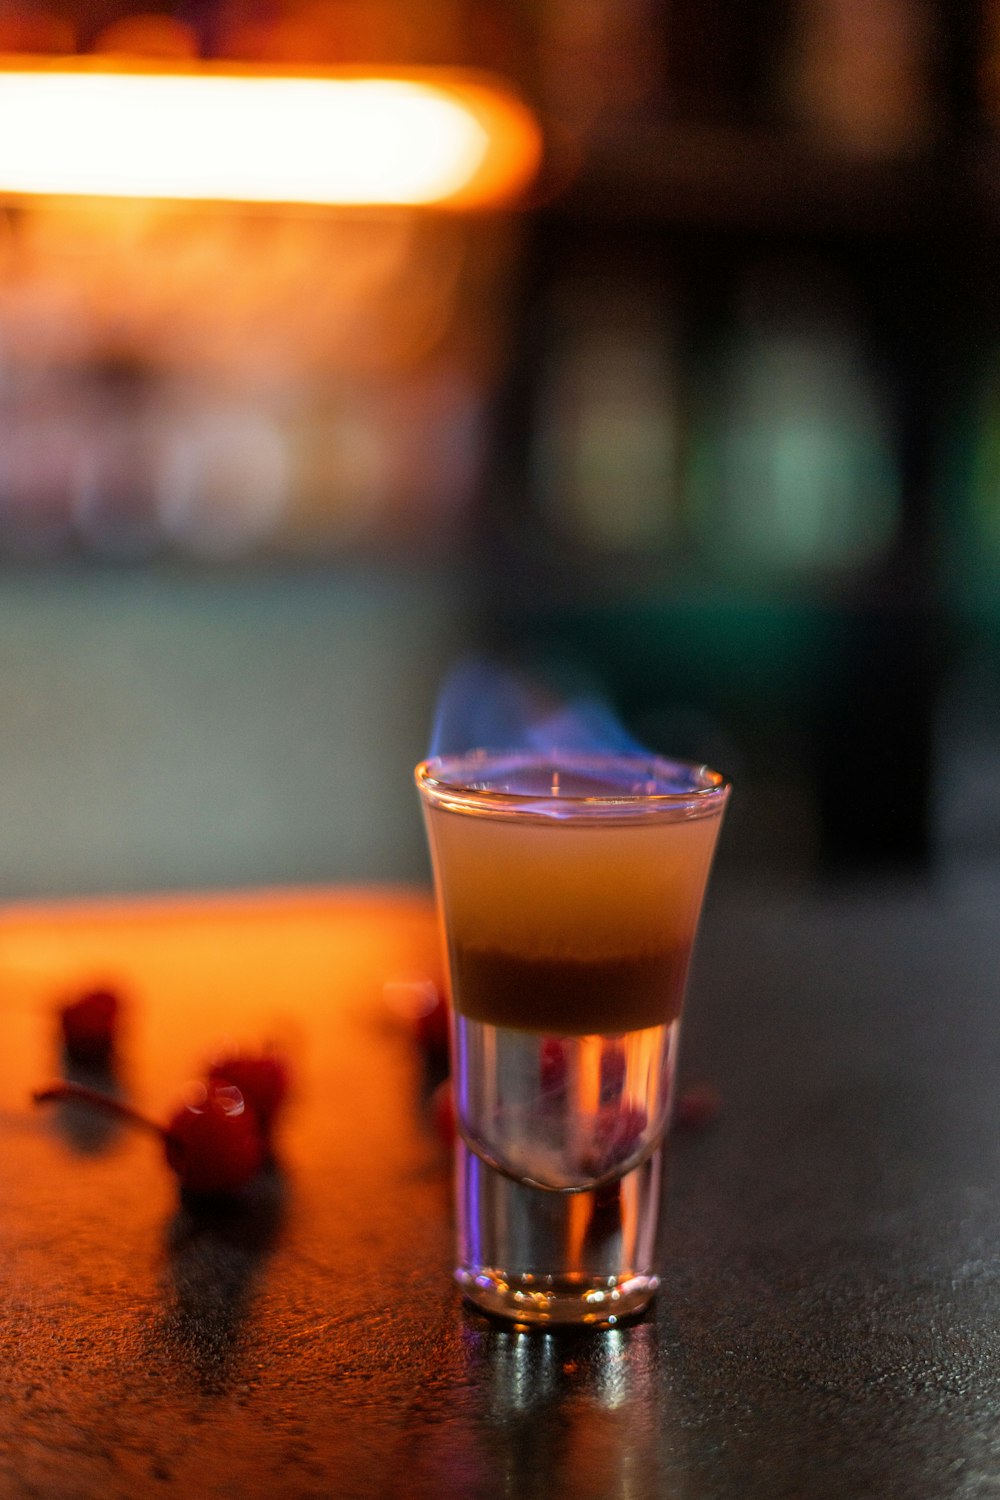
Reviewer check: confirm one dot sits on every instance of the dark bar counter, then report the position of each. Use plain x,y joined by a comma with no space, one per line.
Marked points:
828,1321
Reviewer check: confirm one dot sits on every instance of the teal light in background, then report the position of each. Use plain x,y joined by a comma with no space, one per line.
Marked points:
984,492
970,520
794,474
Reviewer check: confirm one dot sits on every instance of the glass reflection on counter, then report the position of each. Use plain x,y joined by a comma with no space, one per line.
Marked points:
586,1408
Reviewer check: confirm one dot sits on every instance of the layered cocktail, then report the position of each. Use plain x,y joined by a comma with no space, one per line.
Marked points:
570,888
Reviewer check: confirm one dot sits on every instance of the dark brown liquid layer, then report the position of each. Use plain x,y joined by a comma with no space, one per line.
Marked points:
569,996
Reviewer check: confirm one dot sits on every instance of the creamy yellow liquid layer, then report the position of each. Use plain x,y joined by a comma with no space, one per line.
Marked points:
570,926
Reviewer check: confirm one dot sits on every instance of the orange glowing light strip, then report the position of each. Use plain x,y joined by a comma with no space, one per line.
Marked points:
100,127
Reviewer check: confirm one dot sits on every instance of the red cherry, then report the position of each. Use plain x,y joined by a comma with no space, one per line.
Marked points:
618,1134
552,1066
698,1106
433,1025
613,1069
262,1080
214,1143
89,1025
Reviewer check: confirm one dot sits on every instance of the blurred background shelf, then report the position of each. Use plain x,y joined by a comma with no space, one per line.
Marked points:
759,180
711,418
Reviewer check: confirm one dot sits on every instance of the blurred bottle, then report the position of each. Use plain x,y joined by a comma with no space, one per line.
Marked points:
606,449
601,63
976,546
114,502
222,477
858,73
795,476
42,438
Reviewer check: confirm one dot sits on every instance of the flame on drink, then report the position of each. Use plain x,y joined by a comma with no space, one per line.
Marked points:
483,706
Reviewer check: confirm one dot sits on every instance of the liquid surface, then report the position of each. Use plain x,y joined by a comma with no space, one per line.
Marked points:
561,777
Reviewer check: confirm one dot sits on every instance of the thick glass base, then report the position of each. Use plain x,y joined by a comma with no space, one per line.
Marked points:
548,1299
538,1256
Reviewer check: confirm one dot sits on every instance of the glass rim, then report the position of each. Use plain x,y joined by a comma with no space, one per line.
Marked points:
449,781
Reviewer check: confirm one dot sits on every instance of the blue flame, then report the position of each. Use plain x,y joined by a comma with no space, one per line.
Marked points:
483,706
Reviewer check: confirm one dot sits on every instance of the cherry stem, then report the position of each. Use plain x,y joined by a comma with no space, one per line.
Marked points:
62,1093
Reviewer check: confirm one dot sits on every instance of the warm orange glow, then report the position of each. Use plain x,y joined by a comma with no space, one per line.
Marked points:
100,127
259,960
302,969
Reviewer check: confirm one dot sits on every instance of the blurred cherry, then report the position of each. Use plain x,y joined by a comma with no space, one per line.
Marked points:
698,1106
89,1027
441,1108
619,1131
214,1142
262,1079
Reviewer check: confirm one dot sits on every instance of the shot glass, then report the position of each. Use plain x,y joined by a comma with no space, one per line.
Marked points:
569,889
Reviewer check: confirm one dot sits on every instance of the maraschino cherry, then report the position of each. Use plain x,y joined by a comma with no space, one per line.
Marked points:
698,1106
262,1079
441,1108
89,1026
432,1024
214,1142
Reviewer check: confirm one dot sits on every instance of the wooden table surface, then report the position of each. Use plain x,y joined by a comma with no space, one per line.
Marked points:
828,1326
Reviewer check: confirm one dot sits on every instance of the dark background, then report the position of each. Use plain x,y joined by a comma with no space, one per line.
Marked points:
712,418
